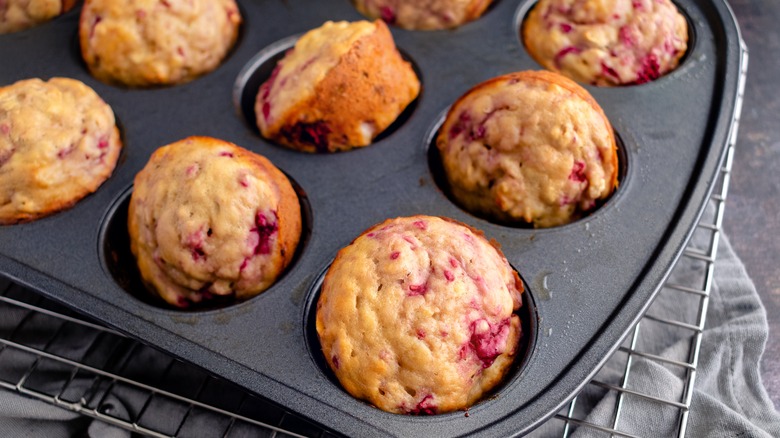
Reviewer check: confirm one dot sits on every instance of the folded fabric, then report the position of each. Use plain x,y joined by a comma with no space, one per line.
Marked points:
729,399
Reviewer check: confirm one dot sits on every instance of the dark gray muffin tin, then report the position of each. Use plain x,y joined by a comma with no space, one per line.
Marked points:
587,282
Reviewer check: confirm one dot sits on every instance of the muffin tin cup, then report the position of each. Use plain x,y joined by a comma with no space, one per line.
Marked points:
260,68
587,282
529,320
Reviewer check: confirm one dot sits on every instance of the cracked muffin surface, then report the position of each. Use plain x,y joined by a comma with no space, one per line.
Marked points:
156,42
58,143
417,316
528,147
208,218
337,89
607,42
16,15
423,14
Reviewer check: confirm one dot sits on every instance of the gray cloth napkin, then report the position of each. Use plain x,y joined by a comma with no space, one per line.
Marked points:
729,399
26,417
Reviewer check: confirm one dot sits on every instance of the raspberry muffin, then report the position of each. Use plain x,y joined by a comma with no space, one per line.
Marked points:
417,316
156,42
208,218
607,42
423,14
58,143
338,88
529,147
16,15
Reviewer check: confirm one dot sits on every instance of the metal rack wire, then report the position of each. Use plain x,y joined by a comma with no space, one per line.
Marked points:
50,353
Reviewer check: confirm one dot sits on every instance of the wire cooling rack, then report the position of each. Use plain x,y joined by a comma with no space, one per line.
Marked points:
51,353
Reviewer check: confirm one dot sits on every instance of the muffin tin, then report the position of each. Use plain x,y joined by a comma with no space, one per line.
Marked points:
587,282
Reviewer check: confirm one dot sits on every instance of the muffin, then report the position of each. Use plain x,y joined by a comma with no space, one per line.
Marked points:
423,14
16,15
156,42
417,316
338,88
529,147
58,143
209,219
607,42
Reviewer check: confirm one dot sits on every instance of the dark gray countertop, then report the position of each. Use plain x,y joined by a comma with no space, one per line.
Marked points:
752,219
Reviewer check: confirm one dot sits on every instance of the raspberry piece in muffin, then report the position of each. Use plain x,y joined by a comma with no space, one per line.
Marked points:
528,147
58,143
417,316
423,14
152,42
338,88
607,42
16,15
208,218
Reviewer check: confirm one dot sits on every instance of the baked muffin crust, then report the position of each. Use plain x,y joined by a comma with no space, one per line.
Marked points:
152,42
338,88
528,147
423,14
58,143
607,42
208,218
16,15
416,316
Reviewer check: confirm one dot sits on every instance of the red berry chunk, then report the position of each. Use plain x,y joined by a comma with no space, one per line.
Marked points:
578,172
63,152
98,19
425,407
449,275
609,71
182,302
488,340
650,70
387,14
264,229
565,51
463,123
315,134
420,289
